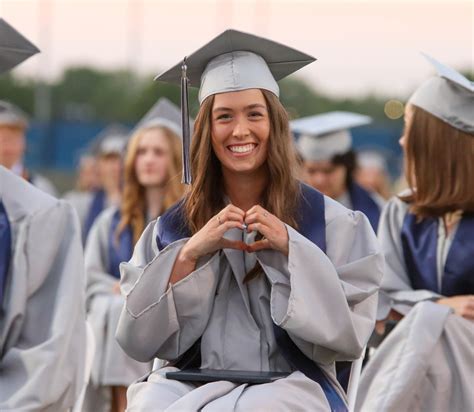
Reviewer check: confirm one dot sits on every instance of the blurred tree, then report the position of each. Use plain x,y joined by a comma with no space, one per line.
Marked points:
17,91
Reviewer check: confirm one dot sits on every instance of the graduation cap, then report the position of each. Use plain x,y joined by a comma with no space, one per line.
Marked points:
14,48
11,115
323,136
111,140
232,61
448,96
163,113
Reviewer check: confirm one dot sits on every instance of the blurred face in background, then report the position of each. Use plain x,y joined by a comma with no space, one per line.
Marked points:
370,177
88,177
12,145
110,170
325,176
153,158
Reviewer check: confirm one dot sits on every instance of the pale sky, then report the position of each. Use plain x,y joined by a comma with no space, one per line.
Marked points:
362,46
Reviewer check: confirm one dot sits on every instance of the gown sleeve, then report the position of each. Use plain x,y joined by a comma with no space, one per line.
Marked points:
43,354
327,302
158,319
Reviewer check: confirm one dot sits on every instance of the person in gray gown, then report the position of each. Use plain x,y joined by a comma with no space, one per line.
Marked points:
108,148
87,183
372,172
13,126
152,183
253,271
42,314
328,162
427,234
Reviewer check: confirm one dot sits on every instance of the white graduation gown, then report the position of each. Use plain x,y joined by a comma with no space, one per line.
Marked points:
427,361
42,323
112,366
326,303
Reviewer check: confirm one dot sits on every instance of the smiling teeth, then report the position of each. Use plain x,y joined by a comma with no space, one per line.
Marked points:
242,149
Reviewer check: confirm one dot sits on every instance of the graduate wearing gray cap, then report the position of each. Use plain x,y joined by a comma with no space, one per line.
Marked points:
151,184
324,143
15,49
108,147
250,288
13,125
427,235
42,324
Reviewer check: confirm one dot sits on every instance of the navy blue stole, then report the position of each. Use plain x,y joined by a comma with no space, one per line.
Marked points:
311,224
97,206
5,249
121,248
420,243
363,202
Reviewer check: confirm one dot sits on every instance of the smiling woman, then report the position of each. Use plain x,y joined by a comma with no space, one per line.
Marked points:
227,124
254,273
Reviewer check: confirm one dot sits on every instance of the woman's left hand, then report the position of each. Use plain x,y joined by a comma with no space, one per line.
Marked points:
273,230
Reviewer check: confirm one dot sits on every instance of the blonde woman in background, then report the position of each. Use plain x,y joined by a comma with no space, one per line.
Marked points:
152,183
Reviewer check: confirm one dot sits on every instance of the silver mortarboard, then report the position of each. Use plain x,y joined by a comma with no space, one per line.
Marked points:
448,96
323,136
14,48
232,61
11,115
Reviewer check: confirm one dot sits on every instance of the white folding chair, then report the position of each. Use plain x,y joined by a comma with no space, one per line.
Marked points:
354,378
90,352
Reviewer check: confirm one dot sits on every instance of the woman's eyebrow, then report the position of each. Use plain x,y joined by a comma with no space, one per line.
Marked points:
249,107
256,106
222,109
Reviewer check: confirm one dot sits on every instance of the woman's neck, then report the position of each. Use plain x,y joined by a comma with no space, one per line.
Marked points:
245,190
154,197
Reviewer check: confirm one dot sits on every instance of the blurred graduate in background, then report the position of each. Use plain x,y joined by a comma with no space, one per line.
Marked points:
87,183
152,183
324,143
13,126
372,173
42,315
108,148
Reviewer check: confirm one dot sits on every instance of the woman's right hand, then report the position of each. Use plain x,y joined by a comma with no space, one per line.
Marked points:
211,237
463,305
208,240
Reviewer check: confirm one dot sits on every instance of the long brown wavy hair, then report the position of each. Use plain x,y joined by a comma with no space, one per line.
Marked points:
439,166
206,195
133,203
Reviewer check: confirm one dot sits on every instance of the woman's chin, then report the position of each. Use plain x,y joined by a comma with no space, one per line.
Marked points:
243,168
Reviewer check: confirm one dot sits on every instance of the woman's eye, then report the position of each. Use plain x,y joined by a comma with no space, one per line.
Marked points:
255,114
224,117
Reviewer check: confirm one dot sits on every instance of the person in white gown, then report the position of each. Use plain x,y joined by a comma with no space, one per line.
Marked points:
427,236
42,314
253,271
152,183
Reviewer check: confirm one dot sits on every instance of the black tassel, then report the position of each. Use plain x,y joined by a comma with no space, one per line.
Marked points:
187,178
